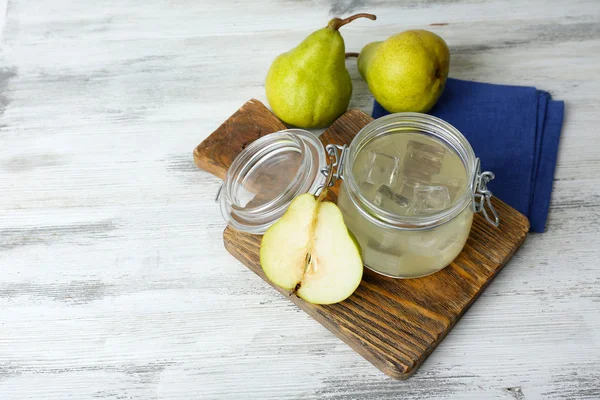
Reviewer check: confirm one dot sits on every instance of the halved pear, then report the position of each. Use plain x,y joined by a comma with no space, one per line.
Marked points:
311,252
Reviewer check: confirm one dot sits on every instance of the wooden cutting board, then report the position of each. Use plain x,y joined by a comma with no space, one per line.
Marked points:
393,323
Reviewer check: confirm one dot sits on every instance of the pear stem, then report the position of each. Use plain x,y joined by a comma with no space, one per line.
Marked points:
352,54
337,23
294,290
322,195
328,181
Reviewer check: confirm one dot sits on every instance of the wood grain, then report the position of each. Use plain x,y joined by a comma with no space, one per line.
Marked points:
395,324
114,282
216,153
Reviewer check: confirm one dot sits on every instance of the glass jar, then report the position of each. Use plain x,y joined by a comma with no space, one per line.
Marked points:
269,173
411,246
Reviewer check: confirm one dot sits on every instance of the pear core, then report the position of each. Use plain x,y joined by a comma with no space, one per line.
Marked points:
310,252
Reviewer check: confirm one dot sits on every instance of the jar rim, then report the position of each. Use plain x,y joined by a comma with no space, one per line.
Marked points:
307,178
424,124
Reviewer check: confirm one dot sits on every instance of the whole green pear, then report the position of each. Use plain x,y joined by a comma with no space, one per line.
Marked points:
309,86
406,72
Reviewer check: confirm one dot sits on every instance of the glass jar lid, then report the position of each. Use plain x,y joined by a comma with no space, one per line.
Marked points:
267,175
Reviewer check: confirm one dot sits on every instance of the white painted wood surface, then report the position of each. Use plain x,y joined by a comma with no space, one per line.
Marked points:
114,281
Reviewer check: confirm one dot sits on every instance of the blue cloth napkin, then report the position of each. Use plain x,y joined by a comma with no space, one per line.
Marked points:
515,131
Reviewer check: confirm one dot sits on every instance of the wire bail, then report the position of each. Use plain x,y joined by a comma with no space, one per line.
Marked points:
333,170
219,192
482,195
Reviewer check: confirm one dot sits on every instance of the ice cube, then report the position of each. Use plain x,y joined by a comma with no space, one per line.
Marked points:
386,243
384,253
367,189
455,186
383,261
423,243
387,199
422,161
447,241
381,169
430,199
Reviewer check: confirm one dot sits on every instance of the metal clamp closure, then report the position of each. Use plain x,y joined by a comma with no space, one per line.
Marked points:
334,168
482,195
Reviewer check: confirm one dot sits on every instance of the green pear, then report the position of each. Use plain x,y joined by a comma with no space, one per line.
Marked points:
309,86
406,72
310,251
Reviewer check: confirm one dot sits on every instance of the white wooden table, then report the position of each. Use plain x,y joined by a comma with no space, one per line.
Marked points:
114,282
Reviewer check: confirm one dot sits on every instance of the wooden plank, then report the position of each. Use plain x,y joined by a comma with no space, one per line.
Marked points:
115,282
396,323
216,153
393,323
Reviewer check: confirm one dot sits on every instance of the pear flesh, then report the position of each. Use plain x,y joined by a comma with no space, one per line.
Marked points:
407,72
309,86
311,252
